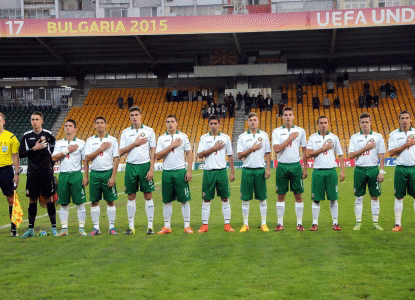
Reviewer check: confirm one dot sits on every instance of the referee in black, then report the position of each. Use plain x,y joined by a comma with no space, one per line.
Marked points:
37,145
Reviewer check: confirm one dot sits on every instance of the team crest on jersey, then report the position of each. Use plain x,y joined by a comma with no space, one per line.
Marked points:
260,139
220,142
329,141
411,136
372,140
43,138
178,139
142,134
4,148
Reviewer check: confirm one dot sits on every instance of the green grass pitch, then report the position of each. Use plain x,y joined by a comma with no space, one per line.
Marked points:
216,265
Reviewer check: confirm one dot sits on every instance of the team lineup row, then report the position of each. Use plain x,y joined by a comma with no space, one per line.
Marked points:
101,154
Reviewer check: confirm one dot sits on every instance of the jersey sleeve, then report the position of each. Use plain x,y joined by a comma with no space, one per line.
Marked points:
24,150
186,143
201,146
152,140
381,146
392,143
123,140
229,150
303,141
310,143
88,147
114,146
240,145
82,151
14,143
57,148
159,145
52,143
352,147
339,150
275,139
267,145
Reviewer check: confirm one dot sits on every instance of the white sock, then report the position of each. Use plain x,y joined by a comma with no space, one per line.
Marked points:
375,210
111,212
315,208
226,212
299,208
358,208
131,209
398,211
63,216
150,212
205,212
263,209
95,212
245,211
167,212
334,209
280,212
186,213
81,215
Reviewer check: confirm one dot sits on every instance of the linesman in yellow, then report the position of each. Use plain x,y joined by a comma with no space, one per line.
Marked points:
9,157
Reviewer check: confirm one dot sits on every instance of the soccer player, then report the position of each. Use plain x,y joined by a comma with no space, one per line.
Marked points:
252,147
139,143
70,151
37,145
324,146
401,144
102,151
367,147
214,146
9,157
174,148
287,141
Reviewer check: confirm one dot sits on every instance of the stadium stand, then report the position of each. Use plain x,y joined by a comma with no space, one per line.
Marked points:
103,102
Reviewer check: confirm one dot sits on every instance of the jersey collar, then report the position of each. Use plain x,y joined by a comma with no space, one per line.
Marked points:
74,139
218,133
141,126
177,132
96,136
327,133
249,132
370,132
283,126
400,130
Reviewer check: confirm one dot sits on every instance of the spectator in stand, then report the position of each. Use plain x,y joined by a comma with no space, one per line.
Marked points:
313,78
205,112
212,109
319,79
346,79
180,94
336,102
340,81
382,90
253,101
280,107
231,108
366,88
392,92
300,78
361,101
185,94
204,94
368,100
191,95
130,101
120,102
326,102
330,87
376,100
262,103
316,102
210,94
246,97
284,97
174,94
269,102
199,95
168,95
299,95
239,100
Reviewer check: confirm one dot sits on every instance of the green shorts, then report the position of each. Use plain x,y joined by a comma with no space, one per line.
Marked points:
324,181
98,187
215,180
174,187
366,176
404,181
292,173
253,180
135,176
70,185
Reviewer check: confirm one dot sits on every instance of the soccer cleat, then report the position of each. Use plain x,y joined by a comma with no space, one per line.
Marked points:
397,228
43,233
150,231
377,227
29,233
244,228
14,234
228,228
165,230
63,232
357,226
279,227
112,231
204,228
81,232
55,231
264,228
188,230
314,227
336,227
95,232
300,227
129,231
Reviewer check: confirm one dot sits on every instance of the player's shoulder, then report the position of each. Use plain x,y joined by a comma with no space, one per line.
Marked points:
91,139
110,137
355,136
314,135
334,136
263,133
80,141
48,132
396,131
225,136
60,141
126,130
204,136
27,133
300,129
148,128
278,129
243,135
377,134
182,133
8,135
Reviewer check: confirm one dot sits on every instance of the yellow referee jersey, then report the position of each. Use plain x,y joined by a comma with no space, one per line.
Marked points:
8,146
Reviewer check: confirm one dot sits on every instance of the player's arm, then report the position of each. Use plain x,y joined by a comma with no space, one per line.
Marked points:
280,147
305,159
85,180
138,142
399,150
150,173
218,146
189,159
65,151
381,175
342,174
16,164
245,153
104,146
357,153
23,150
163,153
111,181
232,167
313,153
268,165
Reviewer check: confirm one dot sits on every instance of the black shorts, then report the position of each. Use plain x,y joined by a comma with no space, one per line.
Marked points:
6,180
37,185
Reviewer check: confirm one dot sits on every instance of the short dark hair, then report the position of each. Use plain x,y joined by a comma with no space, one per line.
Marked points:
100,118
71,121
287,109
171,116
135,108
252,114
364,115
38,113
403,112
214,117
321,117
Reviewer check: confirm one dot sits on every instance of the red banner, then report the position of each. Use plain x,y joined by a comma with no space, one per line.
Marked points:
368,17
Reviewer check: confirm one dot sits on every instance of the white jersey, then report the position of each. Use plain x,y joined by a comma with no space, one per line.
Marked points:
175,159
140,154
72,162
370,157
326,159
105,160
291,153
398,138
217,159
255,159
